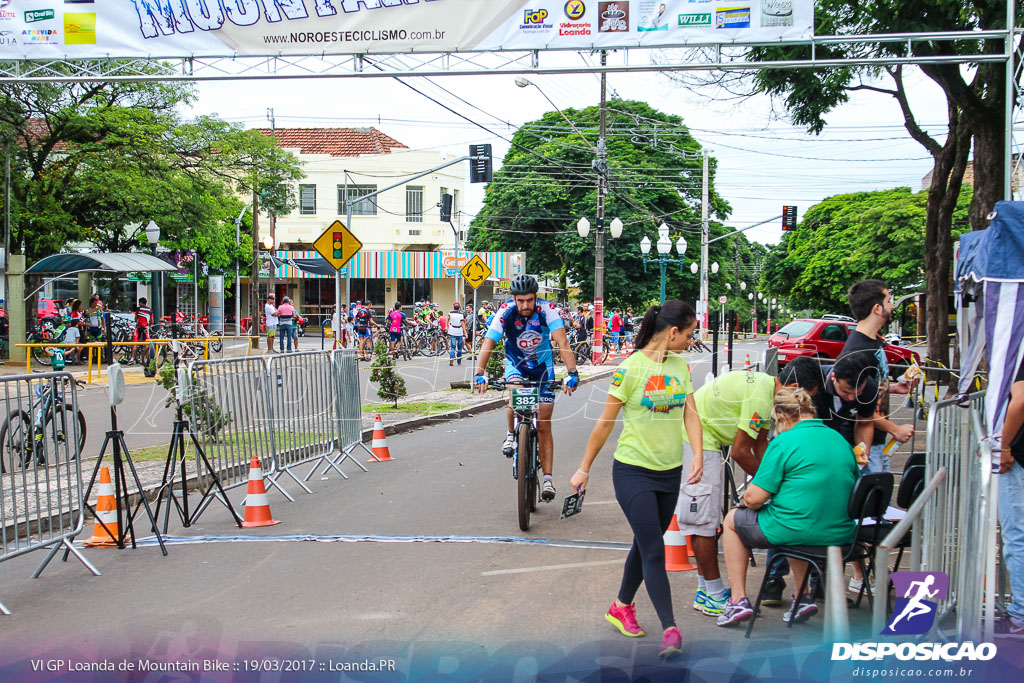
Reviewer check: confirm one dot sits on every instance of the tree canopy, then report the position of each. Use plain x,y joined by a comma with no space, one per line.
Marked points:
547,182
850,237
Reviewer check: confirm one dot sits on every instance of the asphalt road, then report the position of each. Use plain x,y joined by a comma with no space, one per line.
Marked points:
419,559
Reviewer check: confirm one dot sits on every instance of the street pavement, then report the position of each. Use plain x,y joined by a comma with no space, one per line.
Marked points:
419,560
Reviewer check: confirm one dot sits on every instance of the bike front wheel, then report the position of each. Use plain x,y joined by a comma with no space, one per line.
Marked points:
15,444
526,484
59,431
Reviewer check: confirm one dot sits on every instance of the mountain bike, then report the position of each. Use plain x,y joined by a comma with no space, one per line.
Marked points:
27,437
525,403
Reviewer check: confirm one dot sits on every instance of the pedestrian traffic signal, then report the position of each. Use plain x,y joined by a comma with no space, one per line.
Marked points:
789,218
481,166
446,208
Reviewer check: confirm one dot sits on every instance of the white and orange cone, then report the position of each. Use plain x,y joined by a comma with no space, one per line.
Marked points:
746,363
257,506
379,445
677,558
105,535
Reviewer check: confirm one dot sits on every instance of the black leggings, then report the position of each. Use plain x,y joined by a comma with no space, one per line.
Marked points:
648,498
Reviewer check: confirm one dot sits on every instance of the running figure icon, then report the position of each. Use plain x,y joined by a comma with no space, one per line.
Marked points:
915,607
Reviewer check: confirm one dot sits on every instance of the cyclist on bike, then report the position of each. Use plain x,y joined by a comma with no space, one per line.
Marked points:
364,319
396,321
528,325
143,321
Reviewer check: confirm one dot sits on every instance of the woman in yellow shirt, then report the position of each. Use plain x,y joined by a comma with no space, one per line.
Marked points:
654,391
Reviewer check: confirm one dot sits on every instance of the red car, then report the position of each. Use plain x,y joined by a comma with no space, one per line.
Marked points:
825,338
47,308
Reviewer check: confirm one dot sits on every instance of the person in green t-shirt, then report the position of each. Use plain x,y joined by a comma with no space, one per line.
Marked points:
809,472
735,410
654,391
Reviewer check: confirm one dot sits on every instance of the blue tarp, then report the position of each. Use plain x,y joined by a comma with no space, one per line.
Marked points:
996,253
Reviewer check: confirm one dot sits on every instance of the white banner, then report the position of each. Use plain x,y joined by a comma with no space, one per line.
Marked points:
85,29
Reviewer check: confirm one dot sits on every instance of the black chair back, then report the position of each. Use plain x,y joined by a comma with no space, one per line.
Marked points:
869,500
911,486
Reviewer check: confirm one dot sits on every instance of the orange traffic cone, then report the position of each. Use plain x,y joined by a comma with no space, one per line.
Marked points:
379,445
257,507
746,363
676,555
105,534
611,352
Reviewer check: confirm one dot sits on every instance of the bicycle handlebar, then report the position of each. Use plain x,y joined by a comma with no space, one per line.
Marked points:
524,384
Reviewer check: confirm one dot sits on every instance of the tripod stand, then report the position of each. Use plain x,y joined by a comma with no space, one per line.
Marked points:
125,513
176,463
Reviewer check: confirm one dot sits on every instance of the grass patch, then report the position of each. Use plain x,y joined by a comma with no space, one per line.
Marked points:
420,407
232,443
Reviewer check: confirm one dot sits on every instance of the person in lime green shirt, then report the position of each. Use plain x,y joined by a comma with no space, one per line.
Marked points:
654,391
735,410
809,472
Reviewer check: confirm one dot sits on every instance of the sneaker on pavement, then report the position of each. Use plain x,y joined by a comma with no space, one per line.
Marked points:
624,619
671,643
698,600
804,611
855,585
547,491
773,592
1008,628
736,612
509,446
715,606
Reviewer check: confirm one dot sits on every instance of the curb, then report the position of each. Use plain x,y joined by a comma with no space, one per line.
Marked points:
415,423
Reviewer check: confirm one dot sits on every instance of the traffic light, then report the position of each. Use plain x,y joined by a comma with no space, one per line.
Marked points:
480,168
789,218
446,208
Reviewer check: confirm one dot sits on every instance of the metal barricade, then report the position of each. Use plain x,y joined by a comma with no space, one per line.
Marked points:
951,511
347,405
41,504
303,412
229,412
770,361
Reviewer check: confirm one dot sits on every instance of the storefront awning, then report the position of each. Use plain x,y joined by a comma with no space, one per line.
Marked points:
99,263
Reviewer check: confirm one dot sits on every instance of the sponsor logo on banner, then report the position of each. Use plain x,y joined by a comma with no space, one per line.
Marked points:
654,16
40,36
5,12
614,17
776,12
732,17
575,9
35,15
7,38
80,28
534,20
695,19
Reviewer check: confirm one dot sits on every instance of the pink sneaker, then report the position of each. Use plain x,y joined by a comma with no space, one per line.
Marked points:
671,643
624,619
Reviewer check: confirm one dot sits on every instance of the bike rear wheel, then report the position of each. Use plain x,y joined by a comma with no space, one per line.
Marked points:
15,449
525,484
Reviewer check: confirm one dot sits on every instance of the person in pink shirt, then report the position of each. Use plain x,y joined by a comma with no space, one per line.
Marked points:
285,319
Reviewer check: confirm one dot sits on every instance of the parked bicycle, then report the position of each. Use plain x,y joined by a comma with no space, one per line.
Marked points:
526,470
28,438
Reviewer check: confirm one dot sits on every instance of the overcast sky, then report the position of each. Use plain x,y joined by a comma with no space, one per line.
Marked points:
763,163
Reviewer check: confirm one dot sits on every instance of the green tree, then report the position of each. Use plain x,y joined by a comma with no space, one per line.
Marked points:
850,237
385,374
975,97
546,183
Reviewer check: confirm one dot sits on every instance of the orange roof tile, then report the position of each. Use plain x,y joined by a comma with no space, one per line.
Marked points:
338,142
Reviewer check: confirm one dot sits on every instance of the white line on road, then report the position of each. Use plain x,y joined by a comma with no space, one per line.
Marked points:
574,565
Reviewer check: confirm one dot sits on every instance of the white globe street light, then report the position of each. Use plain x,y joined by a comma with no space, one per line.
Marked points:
743,285
714,268
616,228
728,286
583,227
645,245
694,267
681,245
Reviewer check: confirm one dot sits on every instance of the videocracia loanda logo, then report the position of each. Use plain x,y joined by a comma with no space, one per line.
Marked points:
916,603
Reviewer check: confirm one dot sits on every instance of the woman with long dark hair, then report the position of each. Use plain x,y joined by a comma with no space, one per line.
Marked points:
654,391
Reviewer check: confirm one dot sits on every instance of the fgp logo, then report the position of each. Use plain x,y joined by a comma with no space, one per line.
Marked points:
534,16
575,9
914,612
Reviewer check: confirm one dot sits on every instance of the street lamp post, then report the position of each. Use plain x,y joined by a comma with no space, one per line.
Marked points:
664,249
153,237
583,229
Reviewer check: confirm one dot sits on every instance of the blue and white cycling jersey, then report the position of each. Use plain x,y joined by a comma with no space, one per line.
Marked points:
527,340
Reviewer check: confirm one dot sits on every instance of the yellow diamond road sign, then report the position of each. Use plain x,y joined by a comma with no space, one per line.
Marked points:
476,272
338,245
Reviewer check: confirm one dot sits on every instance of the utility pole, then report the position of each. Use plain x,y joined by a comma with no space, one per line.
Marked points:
601,165
273,218
254,287
704,236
